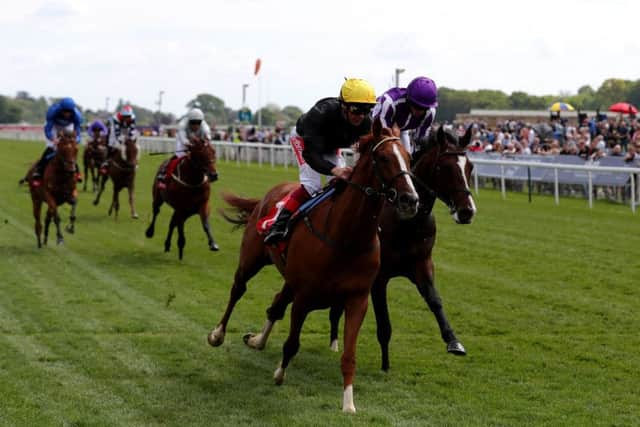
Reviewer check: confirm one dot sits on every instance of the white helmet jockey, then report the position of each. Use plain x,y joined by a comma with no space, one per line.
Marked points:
195,114
185,132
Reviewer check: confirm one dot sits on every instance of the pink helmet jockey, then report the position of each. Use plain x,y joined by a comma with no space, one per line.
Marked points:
126,111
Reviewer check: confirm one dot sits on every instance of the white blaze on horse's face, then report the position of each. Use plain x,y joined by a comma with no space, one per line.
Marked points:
462,164
404,168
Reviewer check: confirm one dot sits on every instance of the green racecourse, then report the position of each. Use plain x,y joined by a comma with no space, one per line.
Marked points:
108,330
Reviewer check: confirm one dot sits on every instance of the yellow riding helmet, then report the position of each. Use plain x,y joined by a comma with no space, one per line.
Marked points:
357,91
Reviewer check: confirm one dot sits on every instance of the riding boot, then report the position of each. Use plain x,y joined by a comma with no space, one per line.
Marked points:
278,230
105,165
288,206
42,163
78,174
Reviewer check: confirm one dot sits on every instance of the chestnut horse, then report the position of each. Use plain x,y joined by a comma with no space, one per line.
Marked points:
95,153
187,192
58,186
332,256
441,170
122,171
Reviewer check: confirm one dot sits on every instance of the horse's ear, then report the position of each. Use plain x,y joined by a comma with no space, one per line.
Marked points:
441,137
466,139
376,128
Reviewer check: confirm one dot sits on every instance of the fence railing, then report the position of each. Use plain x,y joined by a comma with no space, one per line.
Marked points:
556,170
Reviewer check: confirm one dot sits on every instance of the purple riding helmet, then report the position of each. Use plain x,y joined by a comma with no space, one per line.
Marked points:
423,92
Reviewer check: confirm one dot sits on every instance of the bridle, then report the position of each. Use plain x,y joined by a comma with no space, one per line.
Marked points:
71,163
387,191
431,193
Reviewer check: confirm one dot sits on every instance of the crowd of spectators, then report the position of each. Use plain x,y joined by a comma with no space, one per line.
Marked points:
592,139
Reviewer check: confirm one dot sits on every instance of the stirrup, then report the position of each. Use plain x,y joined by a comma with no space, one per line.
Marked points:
274,236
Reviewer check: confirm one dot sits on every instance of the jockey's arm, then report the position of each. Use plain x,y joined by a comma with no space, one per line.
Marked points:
312,154
77,121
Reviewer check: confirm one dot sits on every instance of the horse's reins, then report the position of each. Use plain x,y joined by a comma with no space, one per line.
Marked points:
387,190
433,194
186,184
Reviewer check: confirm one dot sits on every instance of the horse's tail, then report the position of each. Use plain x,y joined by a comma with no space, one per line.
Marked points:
243,208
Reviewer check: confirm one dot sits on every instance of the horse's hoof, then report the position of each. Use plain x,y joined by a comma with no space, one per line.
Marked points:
456,348
149,233
134,216
334,346
216,337
69,228
214,246
60,241
250,340
278,376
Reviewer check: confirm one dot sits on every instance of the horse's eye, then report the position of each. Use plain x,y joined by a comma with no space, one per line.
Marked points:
383,159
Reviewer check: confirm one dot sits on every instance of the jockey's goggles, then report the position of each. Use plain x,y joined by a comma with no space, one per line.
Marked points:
195,122
359,109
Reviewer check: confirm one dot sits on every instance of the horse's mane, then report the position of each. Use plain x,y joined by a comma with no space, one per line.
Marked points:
365,142
426,144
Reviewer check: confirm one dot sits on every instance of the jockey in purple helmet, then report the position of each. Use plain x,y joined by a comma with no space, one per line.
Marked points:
410,108
61,115
97,127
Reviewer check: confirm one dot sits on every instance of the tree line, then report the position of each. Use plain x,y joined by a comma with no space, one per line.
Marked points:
25,108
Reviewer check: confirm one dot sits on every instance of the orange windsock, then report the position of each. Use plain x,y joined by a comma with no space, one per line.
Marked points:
256,70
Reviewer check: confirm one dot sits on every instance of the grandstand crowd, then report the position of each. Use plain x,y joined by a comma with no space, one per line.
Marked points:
592,139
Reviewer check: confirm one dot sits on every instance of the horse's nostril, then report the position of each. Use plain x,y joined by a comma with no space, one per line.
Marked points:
465,214
408,199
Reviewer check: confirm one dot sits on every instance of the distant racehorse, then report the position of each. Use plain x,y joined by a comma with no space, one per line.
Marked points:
95,153
187,192
58,186
122,171
441,170
332,256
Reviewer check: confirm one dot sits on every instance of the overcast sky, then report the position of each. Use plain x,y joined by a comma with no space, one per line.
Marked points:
130,49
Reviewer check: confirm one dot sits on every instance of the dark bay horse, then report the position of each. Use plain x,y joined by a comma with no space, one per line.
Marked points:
332,256
441,170
187,192
58,187
95,153
122,171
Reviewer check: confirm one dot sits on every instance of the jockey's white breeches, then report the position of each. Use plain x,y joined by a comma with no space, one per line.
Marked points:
310,179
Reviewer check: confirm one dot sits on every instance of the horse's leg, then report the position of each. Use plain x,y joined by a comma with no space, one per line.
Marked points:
181,239
383,322
56,221
204,219
274,313
72,217
299,311
103,181
172,225
157,202
335,313
425,284
37,211
115,201
86,176
354,311
251,262
132,201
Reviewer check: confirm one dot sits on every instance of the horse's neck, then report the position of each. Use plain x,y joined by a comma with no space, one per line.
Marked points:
56,174
354,215
188,173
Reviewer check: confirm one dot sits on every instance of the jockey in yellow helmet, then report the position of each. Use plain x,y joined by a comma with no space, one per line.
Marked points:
331,124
